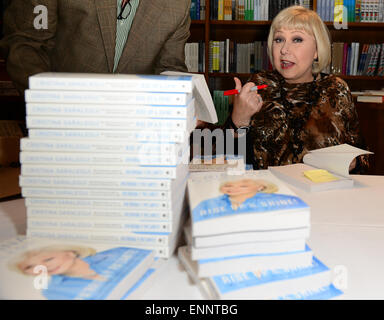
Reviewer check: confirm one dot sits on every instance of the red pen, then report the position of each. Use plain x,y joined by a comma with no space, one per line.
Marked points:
235,91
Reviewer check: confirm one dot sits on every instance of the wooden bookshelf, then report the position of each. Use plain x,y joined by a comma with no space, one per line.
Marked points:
371,119
248,31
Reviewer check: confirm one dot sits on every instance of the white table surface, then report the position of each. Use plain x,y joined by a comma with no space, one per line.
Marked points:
347,232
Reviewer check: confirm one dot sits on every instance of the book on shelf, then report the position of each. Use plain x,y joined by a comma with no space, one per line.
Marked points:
369,92
269,284
253,201
243,263
37,269
231,56
371,99
330,166
347,61
380,67
192,56
243,237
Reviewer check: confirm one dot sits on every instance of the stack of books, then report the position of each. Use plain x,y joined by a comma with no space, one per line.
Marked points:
106,158
57,270
369,96
247,239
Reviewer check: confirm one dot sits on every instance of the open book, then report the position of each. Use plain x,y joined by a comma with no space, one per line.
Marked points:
336,160
205,109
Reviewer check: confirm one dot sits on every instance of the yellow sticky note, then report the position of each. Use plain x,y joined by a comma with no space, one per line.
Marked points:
319,175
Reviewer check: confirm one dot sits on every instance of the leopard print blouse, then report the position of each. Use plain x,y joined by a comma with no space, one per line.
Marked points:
297,118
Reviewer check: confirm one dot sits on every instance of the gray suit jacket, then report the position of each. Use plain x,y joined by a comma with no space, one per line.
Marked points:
81,37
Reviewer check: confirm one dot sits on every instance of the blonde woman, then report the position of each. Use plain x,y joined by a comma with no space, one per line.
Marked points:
302,109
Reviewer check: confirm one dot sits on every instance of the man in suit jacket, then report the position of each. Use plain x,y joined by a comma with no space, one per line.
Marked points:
82,34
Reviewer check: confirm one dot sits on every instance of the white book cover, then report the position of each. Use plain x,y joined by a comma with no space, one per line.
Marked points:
106,183
128,238
111,110
115,224
108,123
244,237
144,284
299,283
335,159
123,146
218,163
116,194
101,97
104,171
294,175
53,212
255,200
260,247
110,135
129,205
110,82
107,210
112,159
356,58
163,244
37,269
243,263
371,99
373,92
205,108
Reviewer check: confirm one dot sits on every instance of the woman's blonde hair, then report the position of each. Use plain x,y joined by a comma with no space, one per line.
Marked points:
79,251
269,187
300,18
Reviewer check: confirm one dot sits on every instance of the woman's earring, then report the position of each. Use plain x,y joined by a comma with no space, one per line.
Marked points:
315,63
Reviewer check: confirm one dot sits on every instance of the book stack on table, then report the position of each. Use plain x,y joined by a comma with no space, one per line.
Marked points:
247,239
106,158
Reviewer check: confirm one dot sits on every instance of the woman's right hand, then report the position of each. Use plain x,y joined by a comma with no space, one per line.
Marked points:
245,104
